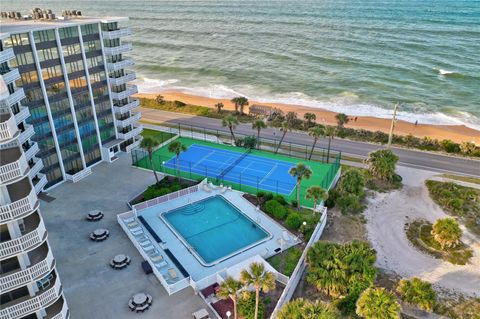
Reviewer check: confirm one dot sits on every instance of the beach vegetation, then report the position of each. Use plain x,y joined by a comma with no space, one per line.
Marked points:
260,279
293,220
231,122
417,292
342,119
275,209
247,306
239,102
350,192
219,106
459,201
317,194
160,99
305,309
300,172
447,232
178,104
382,164
376,303
149,144
230,288
310,119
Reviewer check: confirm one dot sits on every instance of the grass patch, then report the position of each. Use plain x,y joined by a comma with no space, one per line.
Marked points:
286,261
459,201
467,179
419,234
464,308
157,135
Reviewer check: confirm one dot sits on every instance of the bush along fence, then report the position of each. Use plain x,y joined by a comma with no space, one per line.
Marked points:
301,265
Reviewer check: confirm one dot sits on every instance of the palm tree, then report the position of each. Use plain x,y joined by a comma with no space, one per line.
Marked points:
447,232
219,107
317,194
159,99
230,121
305,309
149,144
417,292
240,102
177,147
258,125
382,163
260,279
300,172
315,132
284,128
310,118
229,289
330,132
378,303
342,119
291,117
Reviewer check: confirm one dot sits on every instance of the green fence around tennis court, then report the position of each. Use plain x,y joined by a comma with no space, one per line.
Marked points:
323,175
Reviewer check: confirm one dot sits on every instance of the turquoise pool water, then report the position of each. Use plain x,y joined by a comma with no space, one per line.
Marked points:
214,228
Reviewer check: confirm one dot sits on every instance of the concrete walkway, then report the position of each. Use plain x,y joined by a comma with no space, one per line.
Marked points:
92,288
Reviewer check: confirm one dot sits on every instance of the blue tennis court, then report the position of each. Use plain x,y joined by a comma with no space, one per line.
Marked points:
242,168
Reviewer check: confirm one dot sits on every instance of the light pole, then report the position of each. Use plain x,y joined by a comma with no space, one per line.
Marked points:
163,167
228,314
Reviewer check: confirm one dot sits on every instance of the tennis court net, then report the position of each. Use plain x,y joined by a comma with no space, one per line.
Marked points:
229,168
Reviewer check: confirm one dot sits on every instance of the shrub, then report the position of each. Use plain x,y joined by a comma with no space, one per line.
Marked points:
294,203
280,199
268,196
447,232
293,221
332,197
276,209
246,306
351,183
417,292
450,147
260,194
178,103
350,204
250,142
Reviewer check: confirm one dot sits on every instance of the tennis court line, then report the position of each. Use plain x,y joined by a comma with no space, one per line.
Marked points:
269,173
203,158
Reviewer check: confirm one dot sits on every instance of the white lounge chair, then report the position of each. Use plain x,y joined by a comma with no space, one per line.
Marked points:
135,228
129,220
148,248
132,224
137,232
145,243
156,259
172,273
161,264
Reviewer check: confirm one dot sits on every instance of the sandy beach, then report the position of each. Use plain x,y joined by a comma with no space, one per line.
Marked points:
457,133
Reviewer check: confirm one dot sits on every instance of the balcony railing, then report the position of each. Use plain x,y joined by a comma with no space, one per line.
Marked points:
115,66
13,98
41,183
18,208
122,48
8,129
63,314
116,34
6,55
134,103
34,149
24,243
130,120
135,144
22,115
13,170
79,175
11,76
25,135
130,90
27,275
43,300
123,79
128,135
35,169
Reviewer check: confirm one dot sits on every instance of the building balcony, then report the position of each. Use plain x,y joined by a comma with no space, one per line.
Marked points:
13,165
11,76
131,134
39,183
79,175
35,169
115,66
6,55
59,310
26,135
8,127
22,115
25,243
20,277
130,90
129,120
135,144
32,150
23,201
13,98
27,305
123,79
122,109
119,49
116,33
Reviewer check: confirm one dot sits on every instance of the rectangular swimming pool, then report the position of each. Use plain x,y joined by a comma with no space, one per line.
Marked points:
213,229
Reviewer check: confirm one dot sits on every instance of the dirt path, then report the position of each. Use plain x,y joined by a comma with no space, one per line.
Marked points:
387,214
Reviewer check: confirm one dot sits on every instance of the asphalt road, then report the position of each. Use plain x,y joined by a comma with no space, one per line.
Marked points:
410,158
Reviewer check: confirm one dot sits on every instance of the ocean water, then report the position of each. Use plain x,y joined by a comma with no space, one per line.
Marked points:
353,56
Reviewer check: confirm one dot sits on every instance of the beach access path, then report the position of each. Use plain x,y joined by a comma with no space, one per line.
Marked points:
411,158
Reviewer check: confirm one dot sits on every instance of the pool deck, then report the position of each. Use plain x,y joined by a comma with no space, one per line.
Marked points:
200,274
